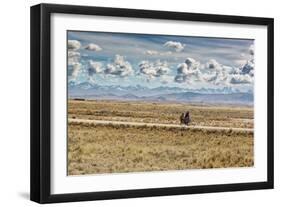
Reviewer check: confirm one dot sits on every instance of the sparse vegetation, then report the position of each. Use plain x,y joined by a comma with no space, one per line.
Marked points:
240,117
98,148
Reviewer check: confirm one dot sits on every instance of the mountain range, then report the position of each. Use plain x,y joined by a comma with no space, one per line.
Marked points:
226,95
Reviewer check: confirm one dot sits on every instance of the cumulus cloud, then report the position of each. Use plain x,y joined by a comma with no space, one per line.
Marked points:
212,64
74,70
219,74
177,46
153,69
241,79
182,69
73,57
154,53
161,68
94,68
119,67
211,78
213,72
252,49
147,68
188,71
225,75
248,67
93,47
74,66
192,64
216,73
151,52
240,62
72,54
73,44
217,78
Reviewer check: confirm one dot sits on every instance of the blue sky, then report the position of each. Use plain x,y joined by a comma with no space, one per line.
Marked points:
160,60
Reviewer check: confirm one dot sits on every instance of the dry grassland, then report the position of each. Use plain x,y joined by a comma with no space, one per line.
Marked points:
168,113
98,148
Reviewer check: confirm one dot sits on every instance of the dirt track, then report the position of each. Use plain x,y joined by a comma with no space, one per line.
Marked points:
87,121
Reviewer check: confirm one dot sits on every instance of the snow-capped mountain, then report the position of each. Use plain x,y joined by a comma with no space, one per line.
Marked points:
226,95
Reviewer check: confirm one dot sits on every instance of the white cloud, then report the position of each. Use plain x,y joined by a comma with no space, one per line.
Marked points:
248,68
217,78
212,64
182,69
252,49
189,71
155,53
210,77
192,64
120,67
74,66
73,54
73,57
241,79
177,46
245,73
161,68
93,47
147,68
213,72
73,44
74,70
153,69
151,52
235,70
94,68
217,73
240,62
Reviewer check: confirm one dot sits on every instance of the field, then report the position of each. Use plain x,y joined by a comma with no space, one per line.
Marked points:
240,117
115,148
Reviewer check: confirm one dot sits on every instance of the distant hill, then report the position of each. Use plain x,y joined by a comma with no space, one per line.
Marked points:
224,95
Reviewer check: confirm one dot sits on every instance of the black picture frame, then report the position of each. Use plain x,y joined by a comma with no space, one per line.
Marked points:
41,102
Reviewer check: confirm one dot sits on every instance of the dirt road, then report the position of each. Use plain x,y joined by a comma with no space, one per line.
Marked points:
211,128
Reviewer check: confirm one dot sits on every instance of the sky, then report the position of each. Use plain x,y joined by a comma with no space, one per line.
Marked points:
147,60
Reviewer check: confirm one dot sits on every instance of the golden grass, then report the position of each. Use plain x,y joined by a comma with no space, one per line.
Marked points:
167,113
117,149
112,148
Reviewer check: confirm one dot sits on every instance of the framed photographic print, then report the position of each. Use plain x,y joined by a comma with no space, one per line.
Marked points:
133,103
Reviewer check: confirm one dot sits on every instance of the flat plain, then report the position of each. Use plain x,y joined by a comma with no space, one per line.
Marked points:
118,148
